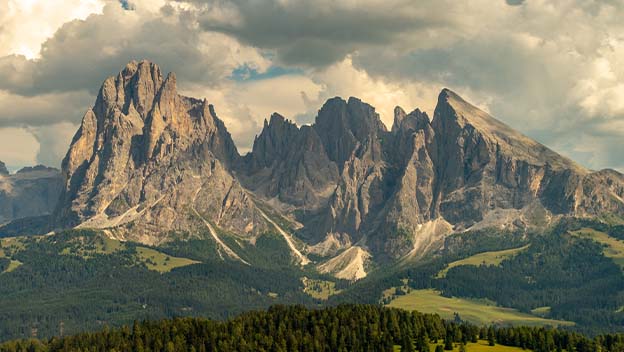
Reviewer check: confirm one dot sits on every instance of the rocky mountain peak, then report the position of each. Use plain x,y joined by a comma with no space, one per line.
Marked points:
36,168
147,162
415,120
454,116
30,192
133,89
138,129
346,127
274,141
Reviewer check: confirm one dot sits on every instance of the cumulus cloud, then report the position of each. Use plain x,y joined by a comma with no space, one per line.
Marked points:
320,33
26,24
53,141
82,53
18,147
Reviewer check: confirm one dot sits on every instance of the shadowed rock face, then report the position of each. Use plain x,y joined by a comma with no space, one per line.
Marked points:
290,164
483,164
30,192
145,159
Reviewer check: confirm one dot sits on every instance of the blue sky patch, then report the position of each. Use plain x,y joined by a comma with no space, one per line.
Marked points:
245,73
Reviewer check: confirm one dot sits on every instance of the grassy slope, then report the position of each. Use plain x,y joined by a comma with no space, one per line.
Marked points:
8,246
485,258
87,280
480,346
319,289
158,261
474,311
88,247
614,248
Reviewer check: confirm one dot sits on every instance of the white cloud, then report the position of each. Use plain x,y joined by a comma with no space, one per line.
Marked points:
53,141
18,147
25,24
345,80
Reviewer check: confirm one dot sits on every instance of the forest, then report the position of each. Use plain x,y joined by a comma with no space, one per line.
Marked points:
297,328
63,282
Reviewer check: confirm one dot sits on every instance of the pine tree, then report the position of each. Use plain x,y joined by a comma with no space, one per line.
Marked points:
490,336
407,345
448,342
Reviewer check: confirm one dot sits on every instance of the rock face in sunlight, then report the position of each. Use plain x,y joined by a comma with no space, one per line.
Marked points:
147,162
151,165
30,192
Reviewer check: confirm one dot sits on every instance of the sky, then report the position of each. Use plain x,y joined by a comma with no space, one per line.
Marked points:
553,69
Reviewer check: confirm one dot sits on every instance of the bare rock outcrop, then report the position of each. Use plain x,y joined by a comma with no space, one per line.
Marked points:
147,162
289,163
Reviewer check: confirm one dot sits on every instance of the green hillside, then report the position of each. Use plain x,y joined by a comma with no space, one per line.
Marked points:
485,258
613,247
479,312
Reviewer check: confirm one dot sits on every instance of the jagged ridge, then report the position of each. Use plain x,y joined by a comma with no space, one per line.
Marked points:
149,164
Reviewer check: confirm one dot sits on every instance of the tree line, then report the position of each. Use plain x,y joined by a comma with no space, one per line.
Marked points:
297,328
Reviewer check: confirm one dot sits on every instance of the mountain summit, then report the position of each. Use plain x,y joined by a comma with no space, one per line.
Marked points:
148,162
150,165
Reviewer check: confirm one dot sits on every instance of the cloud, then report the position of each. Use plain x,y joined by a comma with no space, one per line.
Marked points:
53,141
552,69
345,80
49,93
319,33
18,147
24,25
34,111
82,53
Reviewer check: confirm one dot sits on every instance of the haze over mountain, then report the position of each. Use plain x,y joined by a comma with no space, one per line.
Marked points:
150,165
30,192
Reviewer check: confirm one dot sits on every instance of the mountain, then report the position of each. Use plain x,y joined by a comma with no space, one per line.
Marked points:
30,192
147,162
155,214
483,165
153,166
399,192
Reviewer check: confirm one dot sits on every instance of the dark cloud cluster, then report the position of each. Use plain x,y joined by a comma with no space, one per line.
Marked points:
318,33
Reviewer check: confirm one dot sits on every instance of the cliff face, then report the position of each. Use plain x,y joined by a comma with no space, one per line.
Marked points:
400,192
483,164
148,162
32,191
151,165
289,163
